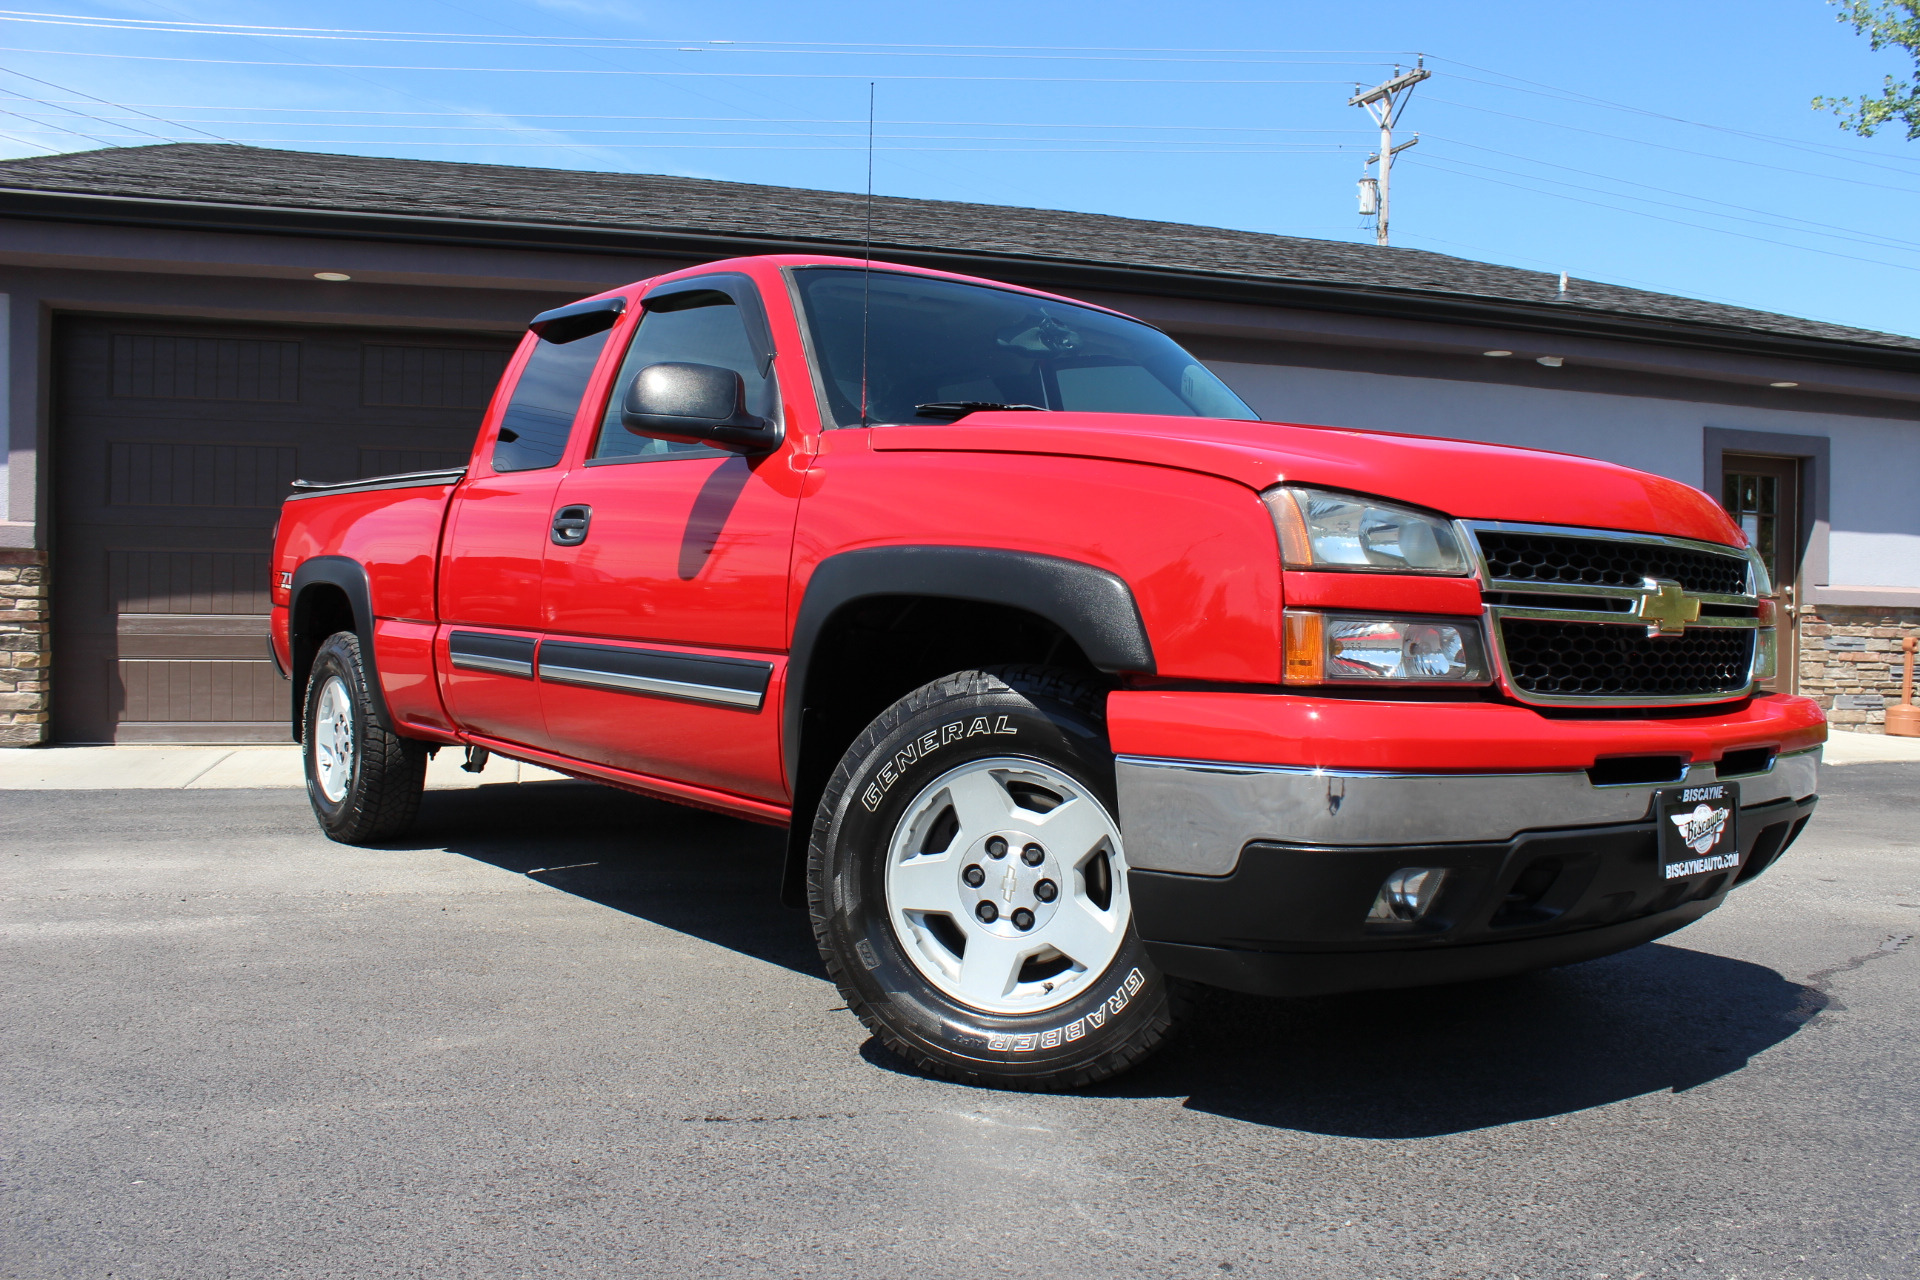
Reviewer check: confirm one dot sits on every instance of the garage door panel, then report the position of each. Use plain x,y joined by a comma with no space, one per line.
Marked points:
416,377
175,446
192,635
184,690
186,581
179,367
176,474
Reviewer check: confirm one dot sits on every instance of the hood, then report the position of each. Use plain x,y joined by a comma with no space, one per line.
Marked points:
1461,478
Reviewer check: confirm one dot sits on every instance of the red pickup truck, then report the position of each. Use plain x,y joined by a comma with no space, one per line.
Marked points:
1071,681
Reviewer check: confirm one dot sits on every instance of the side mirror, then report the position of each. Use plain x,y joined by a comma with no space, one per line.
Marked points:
695,404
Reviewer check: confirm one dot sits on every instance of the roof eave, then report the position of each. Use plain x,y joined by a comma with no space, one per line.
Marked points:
1557,319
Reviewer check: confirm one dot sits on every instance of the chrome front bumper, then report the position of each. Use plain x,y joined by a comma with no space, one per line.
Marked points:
1195,816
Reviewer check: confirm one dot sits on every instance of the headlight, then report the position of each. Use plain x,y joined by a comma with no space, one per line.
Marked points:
1321,530
1328,648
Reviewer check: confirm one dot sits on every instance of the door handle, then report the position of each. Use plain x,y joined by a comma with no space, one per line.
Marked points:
570,525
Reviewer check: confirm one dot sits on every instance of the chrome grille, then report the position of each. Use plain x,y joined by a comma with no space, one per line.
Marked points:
1579,616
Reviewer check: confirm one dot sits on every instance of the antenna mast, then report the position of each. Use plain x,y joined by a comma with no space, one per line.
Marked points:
866,252
1384,102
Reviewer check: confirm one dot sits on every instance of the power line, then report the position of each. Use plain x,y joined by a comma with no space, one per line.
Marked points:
103,102
717,75
1586,99
562,145
1430,162
523,115
1237,146
1817,228
501,42
193,27
56,127
1662,146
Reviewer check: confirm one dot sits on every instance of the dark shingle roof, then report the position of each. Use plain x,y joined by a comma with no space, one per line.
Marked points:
798,218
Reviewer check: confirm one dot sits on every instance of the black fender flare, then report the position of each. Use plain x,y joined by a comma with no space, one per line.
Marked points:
350,577
1094,606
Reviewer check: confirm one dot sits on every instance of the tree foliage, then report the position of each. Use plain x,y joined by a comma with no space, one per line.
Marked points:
1887,24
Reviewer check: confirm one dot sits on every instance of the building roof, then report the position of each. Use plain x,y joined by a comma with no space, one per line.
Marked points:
239,185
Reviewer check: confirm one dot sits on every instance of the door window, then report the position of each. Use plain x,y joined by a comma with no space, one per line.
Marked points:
700,326
533,432
1754,501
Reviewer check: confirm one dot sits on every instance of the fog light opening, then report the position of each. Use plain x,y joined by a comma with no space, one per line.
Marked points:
1407,895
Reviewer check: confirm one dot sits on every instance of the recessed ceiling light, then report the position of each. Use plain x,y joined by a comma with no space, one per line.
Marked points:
1496,353
331,275
1783,384
1552,362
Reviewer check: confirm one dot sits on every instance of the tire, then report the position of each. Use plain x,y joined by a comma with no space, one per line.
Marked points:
905,882
364,783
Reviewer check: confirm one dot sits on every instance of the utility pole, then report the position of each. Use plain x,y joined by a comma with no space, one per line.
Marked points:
1384,102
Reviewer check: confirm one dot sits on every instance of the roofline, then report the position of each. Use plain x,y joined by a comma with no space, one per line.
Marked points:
1032,270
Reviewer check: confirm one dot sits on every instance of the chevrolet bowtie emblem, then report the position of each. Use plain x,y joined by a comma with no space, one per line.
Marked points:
1667,609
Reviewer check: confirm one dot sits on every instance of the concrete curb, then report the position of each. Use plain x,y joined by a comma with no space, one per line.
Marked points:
141,768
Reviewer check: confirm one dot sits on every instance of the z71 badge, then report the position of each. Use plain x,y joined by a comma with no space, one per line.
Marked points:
1699,829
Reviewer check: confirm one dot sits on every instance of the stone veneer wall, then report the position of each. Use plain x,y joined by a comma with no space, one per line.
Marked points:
1850,661
23,648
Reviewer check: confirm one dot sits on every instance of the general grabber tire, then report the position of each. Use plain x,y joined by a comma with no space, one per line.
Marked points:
968,886
364,782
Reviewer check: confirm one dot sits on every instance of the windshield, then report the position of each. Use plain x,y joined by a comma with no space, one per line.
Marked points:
936,347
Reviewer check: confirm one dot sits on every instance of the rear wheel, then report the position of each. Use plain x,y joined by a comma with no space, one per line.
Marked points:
968,886
364,783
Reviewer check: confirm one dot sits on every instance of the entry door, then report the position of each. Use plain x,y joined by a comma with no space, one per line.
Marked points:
666,601
174,443
1763,496
497,535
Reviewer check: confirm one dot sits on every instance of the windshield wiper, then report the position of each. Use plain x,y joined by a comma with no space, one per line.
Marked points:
951,409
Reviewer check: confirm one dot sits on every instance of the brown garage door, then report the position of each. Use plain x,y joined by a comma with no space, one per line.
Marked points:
174,445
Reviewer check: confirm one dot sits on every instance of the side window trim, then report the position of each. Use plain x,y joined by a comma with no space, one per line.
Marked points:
746,296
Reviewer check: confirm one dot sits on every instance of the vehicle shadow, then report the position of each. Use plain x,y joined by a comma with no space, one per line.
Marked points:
1389,1064
703,874
1438,1060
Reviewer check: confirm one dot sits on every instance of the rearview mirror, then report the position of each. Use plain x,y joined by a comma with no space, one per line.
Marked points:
695,404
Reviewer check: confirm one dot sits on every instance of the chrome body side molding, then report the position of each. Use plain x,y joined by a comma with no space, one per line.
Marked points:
482,651
727,682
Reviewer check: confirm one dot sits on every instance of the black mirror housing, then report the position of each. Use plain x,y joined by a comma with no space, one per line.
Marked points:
695,404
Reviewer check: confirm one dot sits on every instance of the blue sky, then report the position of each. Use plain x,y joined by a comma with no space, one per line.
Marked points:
1667,146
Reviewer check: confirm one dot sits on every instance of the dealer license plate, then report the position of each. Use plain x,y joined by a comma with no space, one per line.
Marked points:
1699,829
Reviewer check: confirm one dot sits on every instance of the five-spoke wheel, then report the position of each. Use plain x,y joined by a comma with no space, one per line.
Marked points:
1006,885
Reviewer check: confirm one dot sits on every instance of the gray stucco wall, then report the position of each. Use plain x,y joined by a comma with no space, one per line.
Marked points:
1875,488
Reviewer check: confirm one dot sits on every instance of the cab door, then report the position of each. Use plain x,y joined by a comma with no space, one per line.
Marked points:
664,600
499,528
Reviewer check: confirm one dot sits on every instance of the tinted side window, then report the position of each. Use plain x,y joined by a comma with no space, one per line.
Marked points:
533,433
702,327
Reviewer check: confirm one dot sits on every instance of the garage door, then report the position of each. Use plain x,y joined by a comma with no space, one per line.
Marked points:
174,445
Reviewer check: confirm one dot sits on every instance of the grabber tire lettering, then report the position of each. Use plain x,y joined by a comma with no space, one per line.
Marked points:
967,885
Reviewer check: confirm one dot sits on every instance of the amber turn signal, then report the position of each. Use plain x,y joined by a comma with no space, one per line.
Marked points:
1306,648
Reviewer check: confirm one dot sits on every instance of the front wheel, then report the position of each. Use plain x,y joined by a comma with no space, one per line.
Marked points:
968,886
364,783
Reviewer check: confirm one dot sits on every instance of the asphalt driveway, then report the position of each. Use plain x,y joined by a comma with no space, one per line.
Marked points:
569,1032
